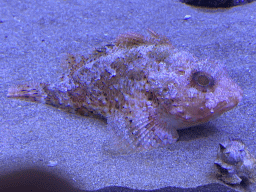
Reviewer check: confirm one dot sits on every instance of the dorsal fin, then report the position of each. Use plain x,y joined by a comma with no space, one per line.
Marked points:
153,34
72,62
100,51
130,40
158,39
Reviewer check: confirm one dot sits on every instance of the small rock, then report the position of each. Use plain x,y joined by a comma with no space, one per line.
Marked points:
235,163
187,17
52,163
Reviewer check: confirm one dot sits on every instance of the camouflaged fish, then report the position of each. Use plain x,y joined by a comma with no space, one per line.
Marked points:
143,86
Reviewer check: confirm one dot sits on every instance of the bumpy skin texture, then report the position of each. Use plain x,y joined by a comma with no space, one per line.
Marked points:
235,163
143,86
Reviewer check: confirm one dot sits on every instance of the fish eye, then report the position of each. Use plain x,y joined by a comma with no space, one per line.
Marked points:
202,80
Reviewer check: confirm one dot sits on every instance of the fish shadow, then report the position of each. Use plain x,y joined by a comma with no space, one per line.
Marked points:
197,132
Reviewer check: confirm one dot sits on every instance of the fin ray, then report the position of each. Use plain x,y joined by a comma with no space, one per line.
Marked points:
29,92
144,133
72,62
159,39
130,39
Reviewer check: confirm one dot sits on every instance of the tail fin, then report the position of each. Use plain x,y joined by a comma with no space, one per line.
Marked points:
41,93
29,92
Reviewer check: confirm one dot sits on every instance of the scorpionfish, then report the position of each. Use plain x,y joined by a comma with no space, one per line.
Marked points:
144,87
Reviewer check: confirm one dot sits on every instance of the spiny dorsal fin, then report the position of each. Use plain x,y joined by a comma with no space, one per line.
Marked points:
158,39
100,51
72,62
153,34
130,40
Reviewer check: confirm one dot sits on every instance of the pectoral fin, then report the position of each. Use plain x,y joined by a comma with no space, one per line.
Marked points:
141,132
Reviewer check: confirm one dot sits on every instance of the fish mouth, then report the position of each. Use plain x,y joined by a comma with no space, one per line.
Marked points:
221,108
203,114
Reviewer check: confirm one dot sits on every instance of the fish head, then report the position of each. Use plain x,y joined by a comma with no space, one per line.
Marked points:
200,91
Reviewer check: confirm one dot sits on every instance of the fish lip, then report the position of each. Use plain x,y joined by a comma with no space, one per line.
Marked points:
221,108
230,105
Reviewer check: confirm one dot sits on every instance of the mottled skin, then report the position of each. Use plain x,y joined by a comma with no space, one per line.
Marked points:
235,163
143,86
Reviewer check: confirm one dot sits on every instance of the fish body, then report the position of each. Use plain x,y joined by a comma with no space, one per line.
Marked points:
143,86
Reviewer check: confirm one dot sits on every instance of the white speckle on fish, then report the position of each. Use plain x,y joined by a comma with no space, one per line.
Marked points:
143,86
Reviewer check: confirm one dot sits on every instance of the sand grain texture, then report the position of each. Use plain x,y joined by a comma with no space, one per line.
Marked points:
34,34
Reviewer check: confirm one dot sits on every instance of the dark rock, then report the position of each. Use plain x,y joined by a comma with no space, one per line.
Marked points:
216,3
